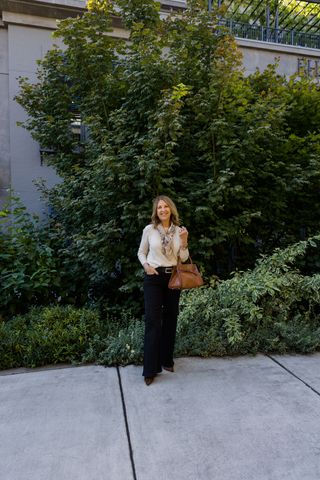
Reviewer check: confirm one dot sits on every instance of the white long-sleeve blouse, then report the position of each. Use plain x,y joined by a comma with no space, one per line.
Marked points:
150,250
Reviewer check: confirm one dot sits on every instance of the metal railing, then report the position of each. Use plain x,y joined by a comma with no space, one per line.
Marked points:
267,34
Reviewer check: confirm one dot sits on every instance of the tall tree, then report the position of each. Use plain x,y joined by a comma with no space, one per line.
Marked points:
170,111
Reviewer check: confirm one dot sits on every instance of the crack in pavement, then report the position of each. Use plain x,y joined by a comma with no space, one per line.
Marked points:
127,426
293,374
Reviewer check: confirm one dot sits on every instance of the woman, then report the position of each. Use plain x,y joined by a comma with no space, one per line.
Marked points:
161,244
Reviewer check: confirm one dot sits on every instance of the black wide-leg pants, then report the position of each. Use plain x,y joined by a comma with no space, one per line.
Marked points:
161,312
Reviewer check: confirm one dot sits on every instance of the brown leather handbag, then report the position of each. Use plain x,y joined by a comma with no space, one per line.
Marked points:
185,276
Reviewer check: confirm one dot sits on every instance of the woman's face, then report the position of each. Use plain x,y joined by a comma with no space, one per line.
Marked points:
163,211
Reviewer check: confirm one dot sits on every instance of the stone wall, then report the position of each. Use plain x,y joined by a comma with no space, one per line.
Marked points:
27,44
257,55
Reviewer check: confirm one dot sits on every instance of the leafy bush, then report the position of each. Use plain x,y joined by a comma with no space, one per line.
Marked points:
125,347
47,335
34,266
272,308
120,342
29,268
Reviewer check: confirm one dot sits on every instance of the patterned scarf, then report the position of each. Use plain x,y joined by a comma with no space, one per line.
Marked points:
167,239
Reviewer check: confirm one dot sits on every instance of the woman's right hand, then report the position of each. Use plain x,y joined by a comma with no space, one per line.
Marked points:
150,270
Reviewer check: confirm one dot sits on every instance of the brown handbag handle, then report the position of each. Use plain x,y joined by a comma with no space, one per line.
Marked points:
179,260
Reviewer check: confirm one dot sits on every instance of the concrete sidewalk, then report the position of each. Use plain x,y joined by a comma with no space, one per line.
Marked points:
250,418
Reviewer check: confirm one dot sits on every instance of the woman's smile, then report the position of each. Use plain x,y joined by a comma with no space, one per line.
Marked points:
163,210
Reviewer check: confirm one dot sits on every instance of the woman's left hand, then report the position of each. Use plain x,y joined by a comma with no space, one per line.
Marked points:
183,236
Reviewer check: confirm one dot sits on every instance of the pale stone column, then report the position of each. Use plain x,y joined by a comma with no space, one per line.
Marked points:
5,177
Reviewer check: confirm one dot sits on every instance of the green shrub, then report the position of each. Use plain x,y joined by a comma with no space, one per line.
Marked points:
34,269
47,335
123,348
65,334
12,343
120,342
272,308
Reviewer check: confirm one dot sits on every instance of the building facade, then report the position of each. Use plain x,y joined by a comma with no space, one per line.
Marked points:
26,35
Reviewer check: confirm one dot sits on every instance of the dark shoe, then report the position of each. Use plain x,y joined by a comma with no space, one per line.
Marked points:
148,380
169,369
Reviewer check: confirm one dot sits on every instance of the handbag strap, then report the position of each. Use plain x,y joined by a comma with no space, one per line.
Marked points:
179,259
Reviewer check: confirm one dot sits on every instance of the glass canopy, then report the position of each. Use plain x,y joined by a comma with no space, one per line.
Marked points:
292,22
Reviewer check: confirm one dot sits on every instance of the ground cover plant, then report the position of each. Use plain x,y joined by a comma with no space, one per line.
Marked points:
47,335
271,308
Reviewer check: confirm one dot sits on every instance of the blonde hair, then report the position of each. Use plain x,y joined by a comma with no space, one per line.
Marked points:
174,218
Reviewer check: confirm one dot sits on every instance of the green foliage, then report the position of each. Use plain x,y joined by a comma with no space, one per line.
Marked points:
119,342
47,335
123,348
28,264
272,308
170,112
36,262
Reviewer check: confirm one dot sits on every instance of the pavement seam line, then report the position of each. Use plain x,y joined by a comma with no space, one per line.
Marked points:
127,426
293,374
